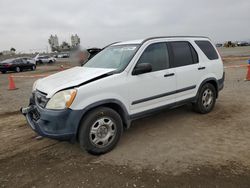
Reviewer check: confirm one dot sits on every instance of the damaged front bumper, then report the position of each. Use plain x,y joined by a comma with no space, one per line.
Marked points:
56,124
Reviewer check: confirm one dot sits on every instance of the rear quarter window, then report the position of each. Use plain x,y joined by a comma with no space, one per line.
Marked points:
207,49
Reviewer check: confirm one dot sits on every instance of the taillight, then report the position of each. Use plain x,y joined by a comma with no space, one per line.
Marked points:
7,65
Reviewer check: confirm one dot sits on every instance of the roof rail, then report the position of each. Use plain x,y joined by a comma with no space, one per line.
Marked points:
151,38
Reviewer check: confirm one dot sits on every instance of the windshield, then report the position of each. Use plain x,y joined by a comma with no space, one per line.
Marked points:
113,57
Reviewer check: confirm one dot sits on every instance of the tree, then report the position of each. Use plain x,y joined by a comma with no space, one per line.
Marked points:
65,46
13,50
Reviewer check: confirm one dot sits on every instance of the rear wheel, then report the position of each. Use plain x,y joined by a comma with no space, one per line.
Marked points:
100,131
17,69
33,67
206,99
3,72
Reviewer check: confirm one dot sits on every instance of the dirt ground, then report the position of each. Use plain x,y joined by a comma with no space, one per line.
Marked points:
175,148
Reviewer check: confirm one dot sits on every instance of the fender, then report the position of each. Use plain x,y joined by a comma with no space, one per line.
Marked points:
205,81
108,102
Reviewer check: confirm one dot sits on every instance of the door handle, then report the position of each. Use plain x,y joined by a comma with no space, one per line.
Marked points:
168,75
201,68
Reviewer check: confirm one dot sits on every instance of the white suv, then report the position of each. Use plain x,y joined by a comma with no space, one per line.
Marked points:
93,104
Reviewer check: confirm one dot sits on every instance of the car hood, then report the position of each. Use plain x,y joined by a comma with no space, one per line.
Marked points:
69,78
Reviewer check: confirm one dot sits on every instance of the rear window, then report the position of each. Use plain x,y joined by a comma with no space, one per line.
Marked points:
207,49
183,54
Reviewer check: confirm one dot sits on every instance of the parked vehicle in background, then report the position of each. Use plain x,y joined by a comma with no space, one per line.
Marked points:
94,103
17,65
65,55
243,43
218,45
44,59
29,59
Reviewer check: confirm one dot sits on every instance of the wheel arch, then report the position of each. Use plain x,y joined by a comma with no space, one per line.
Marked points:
212,81
110,103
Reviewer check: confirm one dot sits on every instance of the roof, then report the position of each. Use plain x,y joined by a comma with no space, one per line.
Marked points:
141,41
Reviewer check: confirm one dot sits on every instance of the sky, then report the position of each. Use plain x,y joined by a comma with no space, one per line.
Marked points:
27,24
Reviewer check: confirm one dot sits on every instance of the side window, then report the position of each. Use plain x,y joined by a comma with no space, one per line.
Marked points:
183,54
207,49
18,61
157,55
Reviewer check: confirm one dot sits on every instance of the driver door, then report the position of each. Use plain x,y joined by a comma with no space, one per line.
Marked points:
156,88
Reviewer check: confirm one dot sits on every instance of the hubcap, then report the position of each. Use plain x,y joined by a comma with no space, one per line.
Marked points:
102,132
18,69
207,98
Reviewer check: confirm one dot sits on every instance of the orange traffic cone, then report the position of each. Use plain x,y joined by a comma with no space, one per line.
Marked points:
248,73
12,85
61,68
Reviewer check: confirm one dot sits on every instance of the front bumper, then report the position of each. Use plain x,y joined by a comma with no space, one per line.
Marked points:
56,124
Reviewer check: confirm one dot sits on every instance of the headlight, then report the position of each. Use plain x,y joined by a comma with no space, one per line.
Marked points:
62,100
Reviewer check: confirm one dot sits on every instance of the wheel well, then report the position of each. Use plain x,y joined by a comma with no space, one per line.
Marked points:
119,110
116,107
214,83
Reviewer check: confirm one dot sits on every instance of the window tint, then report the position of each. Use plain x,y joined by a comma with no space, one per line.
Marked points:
18,61
183,54
207,49
157,56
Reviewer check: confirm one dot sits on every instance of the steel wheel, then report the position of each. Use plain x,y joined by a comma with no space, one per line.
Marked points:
102,132
207,98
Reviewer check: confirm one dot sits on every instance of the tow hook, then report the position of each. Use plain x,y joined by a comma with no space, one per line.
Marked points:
26,110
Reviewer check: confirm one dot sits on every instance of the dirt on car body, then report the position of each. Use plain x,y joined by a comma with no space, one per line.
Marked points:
175,148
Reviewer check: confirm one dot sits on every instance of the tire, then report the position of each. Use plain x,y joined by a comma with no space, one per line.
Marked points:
17,69
3,72
33,68
206,99
99,126
50,62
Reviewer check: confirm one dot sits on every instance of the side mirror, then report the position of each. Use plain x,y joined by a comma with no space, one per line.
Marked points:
142,68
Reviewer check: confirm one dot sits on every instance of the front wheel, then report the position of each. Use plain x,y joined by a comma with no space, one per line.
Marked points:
17,69
206,99
100,130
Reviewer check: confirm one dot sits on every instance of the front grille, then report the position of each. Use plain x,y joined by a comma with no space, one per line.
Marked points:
35,115
40,99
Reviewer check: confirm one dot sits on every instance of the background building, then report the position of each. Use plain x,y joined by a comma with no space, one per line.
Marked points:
75,40
54,43
64,46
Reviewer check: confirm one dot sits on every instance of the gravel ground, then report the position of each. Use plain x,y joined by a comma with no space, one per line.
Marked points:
175,148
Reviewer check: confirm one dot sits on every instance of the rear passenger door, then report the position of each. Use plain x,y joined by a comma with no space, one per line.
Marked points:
185,61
